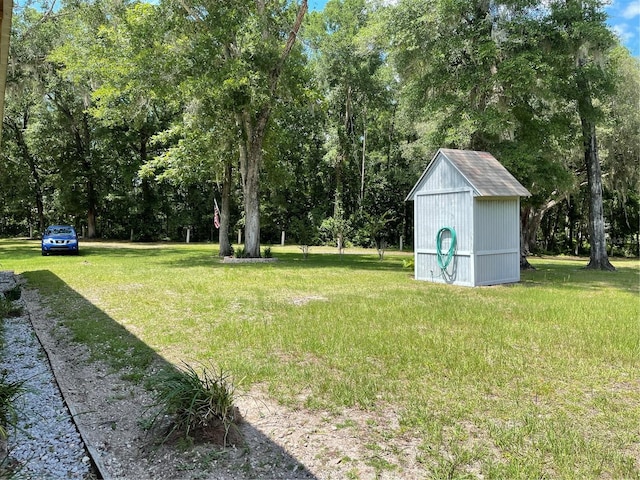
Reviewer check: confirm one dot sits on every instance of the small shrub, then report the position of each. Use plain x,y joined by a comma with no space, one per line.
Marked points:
227,253
266,252
199,404
408,263
239,252
381,246
9,391
8,309
13,294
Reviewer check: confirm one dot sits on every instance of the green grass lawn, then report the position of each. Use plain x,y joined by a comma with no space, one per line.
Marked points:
535,380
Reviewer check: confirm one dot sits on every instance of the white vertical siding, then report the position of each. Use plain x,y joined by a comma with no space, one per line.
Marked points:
452,209
458,272
492,269
498,268
497,224
497,234
442,176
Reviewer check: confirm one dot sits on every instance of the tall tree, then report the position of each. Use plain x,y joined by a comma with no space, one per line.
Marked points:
620,142
469,77
25,88
243,47
578,51
370,175
253,117
124,58
46,122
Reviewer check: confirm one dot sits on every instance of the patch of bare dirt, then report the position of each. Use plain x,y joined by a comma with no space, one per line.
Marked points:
303,300
279,443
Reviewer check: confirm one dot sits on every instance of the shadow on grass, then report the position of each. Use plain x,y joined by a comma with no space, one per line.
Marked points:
560,272
566,272
351,261
572,274
187,257
19,248
135,363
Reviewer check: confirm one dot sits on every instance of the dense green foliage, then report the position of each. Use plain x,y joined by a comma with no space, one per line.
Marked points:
127,119
499,381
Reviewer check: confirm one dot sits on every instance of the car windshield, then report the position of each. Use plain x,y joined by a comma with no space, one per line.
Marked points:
60,231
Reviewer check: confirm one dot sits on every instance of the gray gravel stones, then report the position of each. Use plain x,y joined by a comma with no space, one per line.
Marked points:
45,443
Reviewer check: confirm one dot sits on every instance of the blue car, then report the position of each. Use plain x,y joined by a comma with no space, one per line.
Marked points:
60,239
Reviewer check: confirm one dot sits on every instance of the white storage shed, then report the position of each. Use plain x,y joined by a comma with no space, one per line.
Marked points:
467,220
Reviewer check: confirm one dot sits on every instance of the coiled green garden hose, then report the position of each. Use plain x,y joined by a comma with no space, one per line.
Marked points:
445,260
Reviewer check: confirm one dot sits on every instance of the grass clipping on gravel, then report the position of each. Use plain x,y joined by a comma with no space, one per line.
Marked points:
199,405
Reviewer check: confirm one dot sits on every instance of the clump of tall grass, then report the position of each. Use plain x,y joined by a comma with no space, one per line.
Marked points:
14,293
199,405
8,308
10,390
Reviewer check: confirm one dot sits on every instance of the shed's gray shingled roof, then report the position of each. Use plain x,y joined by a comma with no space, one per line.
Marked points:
486,174
483,172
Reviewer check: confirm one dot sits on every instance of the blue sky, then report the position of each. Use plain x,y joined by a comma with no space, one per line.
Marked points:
624,19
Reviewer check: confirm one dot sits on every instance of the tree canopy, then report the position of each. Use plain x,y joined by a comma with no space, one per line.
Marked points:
128,119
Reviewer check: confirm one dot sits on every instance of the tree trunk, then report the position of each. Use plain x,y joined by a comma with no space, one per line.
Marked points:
91,223
530,219
40,208
251,190
83,146
33,168
528,228
146,218
92,202
37,187
364,154
225,244
598,257
250,165
570,222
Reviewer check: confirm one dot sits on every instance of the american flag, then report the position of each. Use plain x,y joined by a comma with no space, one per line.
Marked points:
216,214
